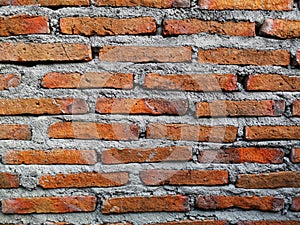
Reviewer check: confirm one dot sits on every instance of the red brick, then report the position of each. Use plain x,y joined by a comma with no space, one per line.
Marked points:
242,155
49,157
88,80
107,26
288,179
247,4
193,222
169,203
4,2
23,24
240,108
82,180
9,81
41,106
146,3
163,154
273,82
15,132
195,26
192,82
9,180
295,155
244,57
145,54
296,108
185,177
281,28
192,132
36,52
270,222
266,203
272,133
85,130
52,2
296,204
141,106
49,205
298,57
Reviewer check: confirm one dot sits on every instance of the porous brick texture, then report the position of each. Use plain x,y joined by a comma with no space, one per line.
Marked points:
149,112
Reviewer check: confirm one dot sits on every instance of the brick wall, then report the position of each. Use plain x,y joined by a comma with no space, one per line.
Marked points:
157,112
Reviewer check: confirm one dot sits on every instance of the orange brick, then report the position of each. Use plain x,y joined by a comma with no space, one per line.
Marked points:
49,205
36,52
295,155
265,203
184,177
169,203
141,106
281,28
4,2
270,222
240,108
195,26
244,57
193,222
296,108
9,81
9,180
288,179
247,4
241,155
145,54
107,26
49,157
82,180
145,3
298,57
120,156
88,80
192,82
192,132
84,130
272,132
15,132
52,2
296,204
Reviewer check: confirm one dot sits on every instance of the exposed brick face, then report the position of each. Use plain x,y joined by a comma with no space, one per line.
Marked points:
9,180
281,28
296,204
193,222
52,2
145,3
15,132
298,57
272,132
296,108
270,222
9,81
295,155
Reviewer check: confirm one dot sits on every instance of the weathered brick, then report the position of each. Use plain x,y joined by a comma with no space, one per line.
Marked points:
49,205
15,132
273,82
184,177
146,3
107,26
9,180
241,155
288,179
36,52
296,108
296,204
270,222
272,133
53,3
145,54
81,180
265,203
85,130
141,106
169,203
42,106
244,57
295,155
298,57
23,24
192,82
49,157
9,81
240,108
192,132
281,28
193,222
4,2
88,80
127,155
247,4
195,26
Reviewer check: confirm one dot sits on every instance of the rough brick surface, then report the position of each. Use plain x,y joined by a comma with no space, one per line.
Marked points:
298,57
192,132
15,132
107,26
145,54
296,108
4,2
9,180
234,56
295,155
145,3
269,180
270,222
184,177
272,132
49,157
195,26
9,81
281,28
193,222
241,155
52,2
296,204
192,82
169,203
49,205
243,202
